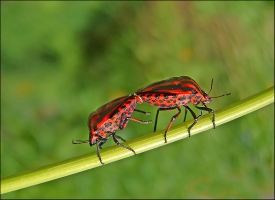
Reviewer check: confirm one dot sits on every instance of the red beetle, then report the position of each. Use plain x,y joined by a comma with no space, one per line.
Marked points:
107,119
176,92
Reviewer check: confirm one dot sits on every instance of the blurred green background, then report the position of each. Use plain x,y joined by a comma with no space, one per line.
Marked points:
62,60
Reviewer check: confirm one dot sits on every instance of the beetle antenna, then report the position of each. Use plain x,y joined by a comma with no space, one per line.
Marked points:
216,96
80,141
222,95
210,86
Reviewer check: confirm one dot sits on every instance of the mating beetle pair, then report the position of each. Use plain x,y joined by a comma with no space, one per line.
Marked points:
167,94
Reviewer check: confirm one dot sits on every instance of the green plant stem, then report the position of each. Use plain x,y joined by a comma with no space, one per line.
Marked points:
141,144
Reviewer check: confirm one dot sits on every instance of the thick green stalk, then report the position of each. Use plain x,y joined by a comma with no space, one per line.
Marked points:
141,144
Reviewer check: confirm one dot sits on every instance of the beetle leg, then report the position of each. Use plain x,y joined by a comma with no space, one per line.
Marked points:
156,119
117,142
170,123
98,147
185,113
210,111
140,121
143,112
195,118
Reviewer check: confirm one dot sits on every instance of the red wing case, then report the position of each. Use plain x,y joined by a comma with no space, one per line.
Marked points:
174,85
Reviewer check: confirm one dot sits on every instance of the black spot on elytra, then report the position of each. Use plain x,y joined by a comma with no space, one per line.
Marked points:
157,96
182,98
108,124
146,97
198,97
